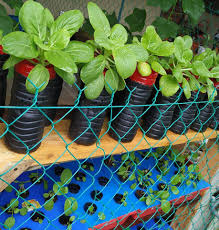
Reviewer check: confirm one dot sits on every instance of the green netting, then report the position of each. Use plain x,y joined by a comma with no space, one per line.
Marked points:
189,164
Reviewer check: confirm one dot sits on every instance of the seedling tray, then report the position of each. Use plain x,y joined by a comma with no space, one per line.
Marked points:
113,212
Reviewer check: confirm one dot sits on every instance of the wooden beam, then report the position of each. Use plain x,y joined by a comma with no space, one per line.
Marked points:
56,149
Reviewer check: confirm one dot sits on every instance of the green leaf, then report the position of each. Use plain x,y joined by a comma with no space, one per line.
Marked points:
200,68
175,179
67,77
9,189
6,24
215,72
61,60
66,176
49,205
188,182
168,85
98,19
111,81
23,211
71,20
14,203
59,39
165,28
133,186
80,51
40,43
163,195
212,92
16,211
93,69
149,200
72,218
45,184
177,73
101,216
191,168
187,42
194,8
157,67
119,34
165,206
31,18
150,37
186,88
48,17
11,61
187,55
40,221
94,88
59,189
174,190
71,205
164,49
20,44
122,84
140,52
194,83
102,40
194,184
9,222
3,11
136,20
165,5
38,79
125,62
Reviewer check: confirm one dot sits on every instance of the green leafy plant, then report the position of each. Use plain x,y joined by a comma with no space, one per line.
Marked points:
187,71
115,61
101,216
60,188
12,208
188,14
71,205
46,41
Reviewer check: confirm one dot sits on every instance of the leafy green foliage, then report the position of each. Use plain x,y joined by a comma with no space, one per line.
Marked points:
71,205
168,85
194,8
165,28
165,206
165,5
9,222
48,41
136,20
66,176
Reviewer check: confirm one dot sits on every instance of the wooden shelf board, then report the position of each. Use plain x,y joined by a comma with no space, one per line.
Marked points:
54,149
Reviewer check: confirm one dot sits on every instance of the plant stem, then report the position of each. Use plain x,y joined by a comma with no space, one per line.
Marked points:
188,69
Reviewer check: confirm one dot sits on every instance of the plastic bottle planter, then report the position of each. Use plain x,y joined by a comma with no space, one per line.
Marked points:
54,88
157,120
26,126
215,121
184,114
3,80
87,122
125,121
203,120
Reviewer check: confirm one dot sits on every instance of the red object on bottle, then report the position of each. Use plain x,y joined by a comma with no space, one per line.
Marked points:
1,51
149,80
24,67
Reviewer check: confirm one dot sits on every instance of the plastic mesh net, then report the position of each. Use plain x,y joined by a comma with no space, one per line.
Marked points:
151,182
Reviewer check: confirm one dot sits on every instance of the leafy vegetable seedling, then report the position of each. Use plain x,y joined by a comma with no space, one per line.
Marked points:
90,208
37,217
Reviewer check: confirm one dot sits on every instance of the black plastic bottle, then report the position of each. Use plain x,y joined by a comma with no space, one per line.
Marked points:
214,124
26,126
3,80
184,113
158,118
54,87
126,119
203,116
87,123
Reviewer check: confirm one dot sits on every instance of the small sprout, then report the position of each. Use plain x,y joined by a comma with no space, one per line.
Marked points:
101,216
83,221
9,189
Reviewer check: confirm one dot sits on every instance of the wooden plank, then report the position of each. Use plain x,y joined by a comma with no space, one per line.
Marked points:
55,148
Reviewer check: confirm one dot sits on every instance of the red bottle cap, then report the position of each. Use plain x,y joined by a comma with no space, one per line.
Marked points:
1,51
24,67
150,80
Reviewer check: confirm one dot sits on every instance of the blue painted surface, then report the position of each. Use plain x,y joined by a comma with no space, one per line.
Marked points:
107,205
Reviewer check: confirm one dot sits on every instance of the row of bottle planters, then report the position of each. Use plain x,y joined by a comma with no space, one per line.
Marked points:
128,114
